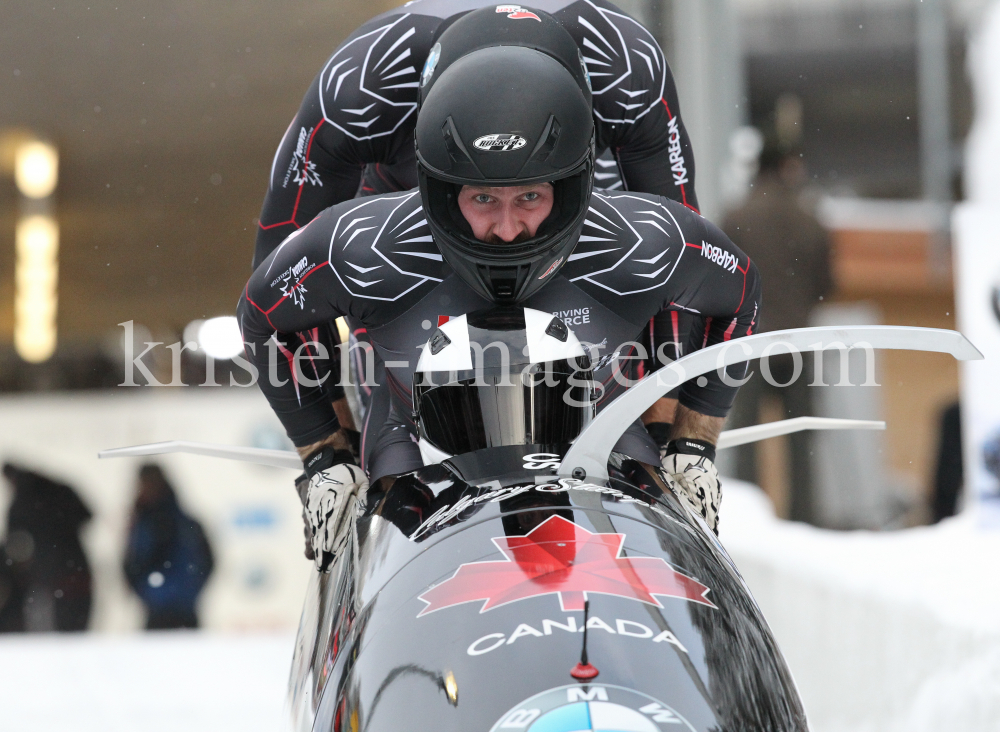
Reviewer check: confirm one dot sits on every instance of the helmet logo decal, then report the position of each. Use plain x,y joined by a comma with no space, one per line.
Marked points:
551,269
500,142
430,64
516,12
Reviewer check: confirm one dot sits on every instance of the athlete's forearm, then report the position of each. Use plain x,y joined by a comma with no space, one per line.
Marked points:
343,411
696,426
662,411
337,440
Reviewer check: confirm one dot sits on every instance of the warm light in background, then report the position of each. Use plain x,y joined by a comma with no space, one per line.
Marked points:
36,169
36,275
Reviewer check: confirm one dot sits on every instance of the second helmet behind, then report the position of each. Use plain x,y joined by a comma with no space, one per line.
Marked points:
505,116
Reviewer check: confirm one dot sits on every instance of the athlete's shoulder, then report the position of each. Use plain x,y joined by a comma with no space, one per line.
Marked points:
369,87
626,66
380,247
632,242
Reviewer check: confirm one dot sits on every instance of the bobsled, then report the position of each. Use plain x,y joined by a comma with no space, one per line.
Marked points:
531,577
489,593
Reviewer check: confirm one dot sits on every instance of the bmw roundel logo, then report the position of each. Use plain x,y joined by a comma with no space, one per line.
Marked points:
499,142
591,708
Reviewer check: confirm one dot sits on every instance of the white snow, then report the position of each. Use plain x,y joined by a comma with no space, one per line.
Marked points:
977,257
888,632
884,632
153,682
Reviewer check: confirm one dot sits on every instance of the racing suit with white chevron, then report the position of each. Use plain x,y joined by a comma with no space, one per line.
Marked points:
361,111
353,134
374,261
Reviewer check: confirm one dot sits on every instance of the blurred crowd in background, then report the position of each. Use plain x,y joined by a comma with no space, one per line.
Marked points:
45,577
810,129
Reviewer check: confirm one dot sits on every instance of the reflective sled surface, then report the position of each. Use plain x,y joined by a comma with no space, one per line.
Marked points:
460,606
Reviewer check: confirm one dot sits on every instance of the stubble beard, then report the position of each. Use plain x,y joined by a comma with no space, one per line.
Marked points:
495,240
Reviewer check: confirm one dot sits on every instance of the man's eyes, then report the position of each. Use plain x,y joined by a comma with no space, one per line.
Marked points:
484,198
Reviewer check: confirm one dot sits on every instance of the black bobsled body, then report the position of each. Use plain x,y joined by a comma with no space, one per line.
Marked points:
459,606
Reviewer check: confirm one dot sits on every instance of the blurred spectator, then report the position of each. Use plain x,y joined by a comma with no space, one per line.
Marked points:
168,558
11,597
45,583
792,253
948,474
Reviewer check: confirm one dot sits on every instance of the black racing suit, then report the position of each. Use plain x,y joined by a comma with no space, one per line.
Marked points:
361,111
374,261
353,134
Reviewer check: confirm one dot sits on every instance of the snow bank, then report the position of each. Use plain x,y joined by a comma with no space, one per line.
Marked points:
894,632
884,632
154,682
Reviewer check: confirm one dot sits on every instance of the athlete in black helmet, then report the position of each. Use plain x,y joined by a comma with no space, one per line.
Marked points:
358,116
353,133
548,139
505,213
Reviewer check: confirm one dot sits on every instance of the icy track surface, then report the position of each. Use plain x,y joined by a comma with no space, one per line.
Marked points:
153,682
883,631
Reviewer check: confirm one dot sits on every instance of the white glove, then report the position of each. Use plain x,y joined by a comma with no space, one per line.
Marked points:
696,477
327,505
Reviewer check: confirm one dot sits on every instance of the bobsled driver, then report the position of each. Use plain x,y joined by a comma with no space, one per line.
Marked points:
504,214
353,134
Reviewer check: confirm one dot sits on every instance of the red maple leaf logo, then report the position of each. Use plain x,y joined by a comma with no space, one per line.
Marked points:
558,556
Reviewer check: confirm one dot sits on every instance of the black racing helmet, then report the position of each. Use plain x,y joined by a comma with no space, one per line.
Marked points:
505,376
504,25
506,115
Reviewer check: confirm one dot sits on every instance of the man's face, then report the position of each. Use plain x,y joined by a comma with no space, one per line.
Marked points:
505,215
